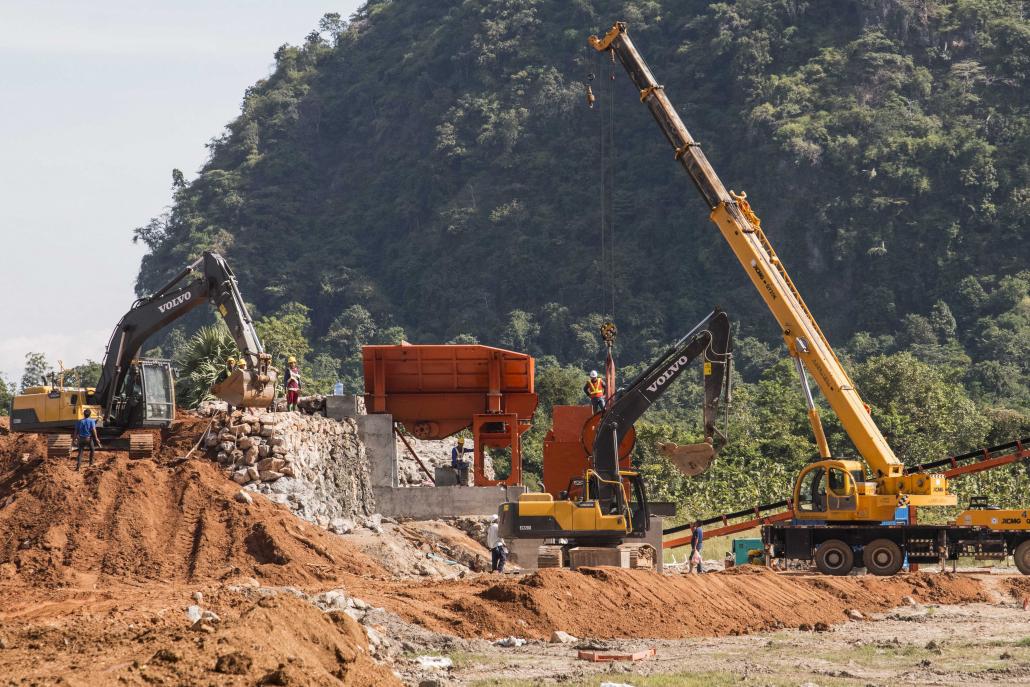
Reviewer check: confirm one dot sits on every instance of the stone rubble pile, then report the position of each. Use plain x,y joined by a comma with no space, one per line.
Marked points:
313,465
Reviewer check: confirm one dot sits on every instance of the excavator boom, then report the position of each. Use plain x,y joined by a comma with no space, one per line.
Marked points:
208,279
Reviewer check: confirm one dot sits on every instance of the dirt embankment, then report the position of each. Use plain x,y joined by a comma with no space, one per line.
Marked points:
141,636
161,519
611,603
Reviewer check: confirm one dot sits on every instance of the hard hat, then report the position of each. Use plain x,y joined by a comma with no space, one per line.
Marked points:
242,364
593,374
291,359
494,518
230,360
461,441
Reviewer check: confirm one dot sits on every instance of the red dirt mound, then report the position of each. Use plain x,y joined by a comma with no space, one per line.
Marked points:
609,602
164,519
141,636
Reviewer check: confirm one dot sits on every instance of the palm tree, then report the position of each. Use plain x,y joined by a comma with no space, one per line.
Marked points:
202,359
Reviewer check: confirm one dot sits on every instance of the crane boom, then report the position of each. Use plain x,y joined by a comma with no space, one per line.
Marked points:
742,230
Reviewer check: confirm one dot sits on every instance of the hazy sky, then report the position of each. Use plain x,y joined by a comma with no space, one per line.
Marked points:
98,102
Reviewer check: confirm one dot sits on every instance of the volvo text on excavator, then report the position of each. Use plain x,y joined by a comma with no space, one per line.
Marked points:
139,394
840,506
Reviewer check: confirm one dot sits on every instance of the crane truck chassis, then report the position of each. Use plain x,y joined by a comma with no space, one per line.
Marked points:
980,532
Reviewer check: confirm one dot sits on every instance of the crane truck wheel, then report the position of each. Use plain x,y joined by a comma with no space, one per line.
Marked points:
1022,557
882,557
834,557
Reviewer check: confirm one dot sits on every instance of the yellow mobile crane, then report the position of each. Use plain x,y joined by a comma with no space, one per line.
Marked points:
838,507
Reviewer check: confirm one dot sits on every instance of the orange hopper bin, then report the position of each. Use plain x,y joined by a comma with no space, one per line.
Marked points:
438,390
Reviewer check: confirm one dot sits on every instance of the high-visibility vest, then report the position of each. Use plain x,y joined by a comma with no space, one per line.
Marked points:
595,388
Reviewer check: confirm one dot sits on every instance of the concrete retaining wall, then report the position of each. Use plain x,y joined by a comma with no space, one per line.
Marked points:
440,502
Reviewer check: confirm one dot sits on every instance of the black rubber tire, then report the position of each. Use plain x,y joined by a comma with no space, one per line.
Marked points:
882,557
834,557
1022,557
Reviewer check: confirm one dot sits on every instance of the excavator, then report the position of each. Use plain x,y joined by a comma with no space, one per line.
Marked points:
609,505
840,504
139,394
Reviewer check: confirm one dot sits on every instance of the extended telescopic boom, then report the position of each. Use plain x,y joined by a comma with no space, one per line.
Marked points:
742,229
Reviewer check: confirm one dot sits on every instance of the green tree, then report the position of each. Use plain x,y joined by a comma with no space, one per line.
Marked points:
6,396
202,360
284,333
85,375
37,368
923,416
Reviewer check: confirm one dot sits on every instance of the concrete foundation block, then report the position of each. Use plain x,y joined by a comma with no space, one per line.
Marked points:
427,503
594,556
523,552
376,433
340,407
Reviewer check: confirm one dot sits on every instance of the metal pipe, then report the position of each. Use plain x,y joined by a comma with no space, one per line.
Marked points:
813,414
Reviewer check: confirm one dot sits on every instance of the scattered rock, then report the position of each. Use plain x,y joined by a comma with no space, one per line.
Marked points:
3,643
855,614
434,662
510,642
908,600
166,656
822,627
193,613
269,475
244,497
1005,656
236,663
198,597
560,637
805,627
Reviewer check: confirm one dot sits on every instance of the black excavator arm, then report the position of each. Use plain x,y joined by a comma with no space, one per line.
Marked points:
209,279
711,340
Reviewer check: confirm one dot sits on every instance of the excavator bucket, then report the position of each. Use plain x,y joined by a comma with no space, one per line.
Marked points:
690,459
247,389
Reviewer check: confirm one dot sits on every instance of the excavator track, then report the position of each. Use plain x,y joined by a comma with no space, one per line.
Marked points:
141,445
58,446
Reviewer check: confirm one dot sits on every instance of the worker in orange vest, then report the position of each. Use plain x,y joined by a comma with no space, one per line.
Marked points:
596,391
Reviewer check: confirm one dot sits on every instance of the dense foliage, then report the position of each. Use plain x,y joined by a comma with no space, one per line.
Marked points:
430,171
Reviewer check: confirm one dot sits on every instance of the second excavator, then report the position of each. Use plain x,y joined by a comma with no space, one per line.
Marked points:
139,394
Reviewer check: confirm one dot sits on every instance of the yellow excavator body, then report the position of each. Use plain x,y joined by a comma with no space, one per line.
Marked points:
55,408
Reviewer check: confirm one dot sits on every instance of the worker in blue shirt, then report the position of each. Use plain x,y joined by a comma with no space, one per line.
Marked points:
458,462
86,435
696,539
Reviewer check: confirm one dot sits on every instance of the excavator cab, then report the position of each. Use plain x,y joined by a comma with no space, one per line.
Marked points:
148,396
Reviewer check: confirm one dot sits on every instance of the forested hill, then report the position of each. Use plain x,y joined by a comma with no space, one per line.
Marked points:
432,168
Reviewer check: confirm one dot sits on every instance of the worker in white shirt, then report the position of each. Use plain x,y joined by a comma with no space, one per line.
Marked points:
498,551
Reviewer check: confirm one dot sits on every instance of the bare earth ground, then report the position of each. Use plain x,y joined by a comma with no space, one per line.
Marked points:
99,567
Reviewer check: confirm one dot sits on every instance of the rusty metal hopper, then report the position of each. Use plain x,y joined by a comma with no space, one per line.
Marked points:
690,459
247,388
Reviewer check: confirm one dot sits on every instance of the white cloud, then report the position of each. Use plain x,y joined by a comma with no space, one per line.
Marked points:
72,348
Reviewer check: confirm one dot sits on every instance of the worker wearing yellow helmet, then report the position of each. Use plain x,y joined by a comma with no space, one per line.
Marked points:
230,366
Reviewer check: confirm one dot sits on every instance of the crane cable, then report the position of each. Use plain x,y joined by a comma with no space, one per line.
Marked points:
606,144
